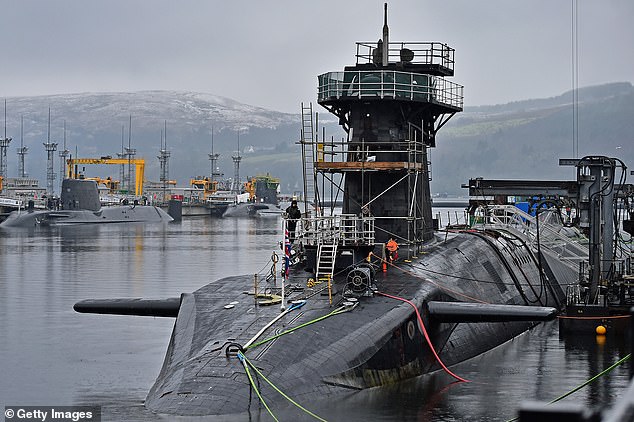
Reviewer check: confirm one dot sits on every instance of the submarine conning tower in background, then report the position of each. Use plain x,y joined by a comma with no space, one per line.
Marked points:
391,103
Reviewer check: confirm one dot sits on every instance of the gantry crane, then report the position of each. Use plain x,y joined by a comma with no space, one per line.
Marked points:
139,172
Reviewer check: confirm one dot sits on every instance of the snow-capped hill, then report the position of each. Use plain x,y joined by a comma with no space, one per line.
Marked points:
104,111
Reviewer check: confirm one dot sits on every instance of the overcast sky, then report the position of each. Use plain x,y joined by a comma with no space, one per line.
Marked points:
269,53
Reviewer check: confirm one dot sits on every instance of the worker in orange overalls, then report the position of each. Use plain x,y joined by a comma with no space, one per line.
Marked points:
392,250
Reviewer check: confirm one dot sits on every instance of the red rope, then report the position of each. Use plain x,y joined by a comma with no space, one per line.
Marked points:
431,346
429,280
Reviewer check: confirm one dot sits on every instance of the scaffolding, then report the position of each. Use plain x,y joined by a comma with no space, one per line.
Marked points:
328,163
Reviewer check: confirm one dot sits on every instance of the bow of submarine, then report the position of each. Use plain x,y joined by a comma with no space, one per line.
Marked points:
376,343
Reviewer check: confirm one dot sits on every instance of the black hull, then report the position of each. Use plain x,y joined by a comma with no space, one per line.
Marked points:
217,210
377,343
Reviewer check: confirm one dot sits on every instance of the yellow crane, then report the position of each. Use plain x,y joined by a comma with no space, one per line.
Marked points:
139,168
112,185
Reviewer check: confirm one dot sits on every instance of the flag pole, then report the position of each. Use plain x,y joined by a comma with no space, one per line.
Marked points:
287,259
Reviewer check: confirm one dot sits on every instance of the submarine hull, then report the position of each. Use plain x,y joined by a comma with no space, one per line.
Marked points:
117,214
377,342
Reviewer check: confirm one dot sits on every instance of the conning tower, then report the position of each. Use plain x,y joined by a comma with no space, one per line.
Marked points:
391,103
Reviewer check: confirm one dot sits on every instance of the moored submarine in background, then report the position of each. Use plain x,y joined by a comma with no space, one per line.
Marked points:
79,204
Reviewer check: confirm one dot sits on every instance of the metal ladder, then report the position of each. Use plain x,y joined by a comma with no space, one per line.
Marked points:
308,157
326,254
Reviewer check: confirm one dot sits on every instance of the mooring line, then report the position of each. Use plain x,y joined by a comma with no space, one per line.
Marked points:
580,386
290,330
246,362
599,375
257,391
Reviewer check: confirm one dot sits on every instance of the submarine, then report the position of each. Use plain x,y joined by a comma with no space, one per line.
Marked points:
80,204
348,313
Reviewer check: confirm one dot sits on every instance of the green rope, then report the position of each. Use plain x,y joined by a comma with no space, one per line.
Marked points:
290,330
246,369
276,389
574,390
579,387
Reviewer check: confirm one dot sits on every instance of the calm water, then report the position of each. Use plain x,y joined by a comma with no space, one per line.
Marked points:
50,355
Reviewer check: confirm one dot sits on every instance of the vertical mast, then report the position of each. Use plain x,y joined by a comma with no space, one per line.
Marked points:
163,157
213,158
130,152
235,186
62,158
4,145
121,155
386,37
50,148
22,151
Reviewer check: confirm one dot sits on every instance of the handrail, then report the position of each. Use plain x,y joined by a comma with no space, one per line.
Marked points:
509,217
382,84
421,53
343,229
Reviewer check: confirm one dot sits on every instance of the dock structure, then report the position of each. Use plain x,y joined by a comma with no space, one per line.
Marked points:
595,206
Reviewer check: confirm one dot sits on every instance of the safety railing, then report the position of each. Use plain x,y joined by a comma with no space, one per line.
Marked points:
425,53
343,229
406,86
570,250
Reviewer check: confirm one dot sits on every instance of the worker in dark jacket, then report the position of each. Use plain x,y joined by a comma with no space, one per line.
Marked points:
293,214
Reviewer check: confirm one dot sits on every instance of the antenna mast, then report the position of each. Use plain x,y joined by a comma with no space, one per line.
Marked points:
213,158
62,158
22,150
235,186
4,145
163,157
50,148
130,152
121,155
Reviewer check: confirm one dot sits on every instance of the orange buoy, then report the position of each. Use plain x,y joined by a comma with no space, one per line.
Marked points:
601,330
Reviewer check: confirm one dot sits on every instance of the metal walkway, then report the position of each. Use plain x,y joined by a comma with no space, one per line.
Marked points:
569,246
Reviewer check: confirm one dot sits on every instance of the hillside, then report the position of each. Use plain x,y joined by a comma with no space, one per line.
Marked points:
525,139
522,139
94,125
